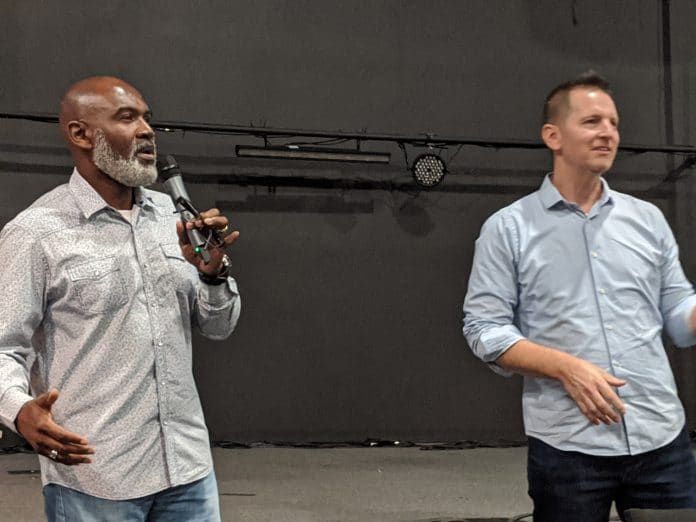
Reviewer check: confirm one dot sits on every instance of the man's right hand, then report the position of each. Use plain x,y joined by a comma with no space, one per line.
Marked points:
35,423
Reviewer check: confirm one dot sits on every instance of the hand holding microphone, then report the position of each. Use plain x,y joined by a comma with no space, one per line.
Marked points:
200,234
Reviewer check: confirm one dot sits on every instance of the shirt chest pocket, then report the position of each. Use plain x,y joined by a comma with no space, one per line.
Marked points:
98,285
172,252
176,273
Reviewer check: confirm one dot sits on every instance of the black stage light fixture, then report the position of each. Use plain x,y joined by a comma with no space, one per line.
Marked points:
428,169
300,152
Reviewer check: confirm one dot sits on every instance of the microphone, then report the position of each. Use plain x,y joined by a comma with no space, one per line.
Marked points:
170,176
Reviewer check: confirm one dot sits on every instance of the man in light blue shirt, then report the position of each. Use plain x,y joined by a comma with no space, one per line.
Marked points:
571,287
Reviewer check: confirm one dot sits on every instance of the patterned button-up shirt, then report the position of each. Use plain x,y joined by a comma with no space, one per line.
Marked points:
102,309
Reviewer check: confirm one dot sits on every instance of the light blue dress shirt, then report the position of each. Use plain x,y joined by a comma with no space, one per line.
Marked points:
600,286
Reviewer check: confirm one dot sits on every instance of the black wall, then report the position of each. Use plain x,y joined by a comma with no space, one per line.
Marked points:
352,293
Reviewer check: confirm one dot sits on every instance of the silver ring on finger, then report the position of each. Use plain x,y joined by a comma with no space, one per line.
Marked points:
53,454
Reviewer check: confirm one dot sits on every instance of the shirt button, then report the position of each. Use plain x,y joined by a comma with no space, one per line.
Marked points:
610,327
165,423
594,254
602,291
159,343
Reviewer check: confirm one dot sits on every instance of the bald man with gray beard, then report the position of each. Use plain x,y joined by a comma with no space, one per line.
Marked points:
102,292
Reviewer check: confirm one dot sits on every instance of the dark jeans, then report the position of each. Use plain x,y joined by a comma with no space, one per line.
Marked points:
569,486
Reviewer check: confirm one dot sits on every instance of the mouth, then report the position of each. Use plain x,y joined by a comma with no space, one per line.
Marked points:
603,150
146,152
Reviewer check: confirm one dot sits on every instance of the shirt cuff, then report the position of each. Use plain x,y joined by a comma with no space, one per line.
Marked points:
494,342
496,368
12,401
218,296
679,325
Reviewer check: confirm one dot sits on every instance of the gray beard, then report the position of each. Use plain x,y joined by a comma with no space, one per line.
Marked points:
127,171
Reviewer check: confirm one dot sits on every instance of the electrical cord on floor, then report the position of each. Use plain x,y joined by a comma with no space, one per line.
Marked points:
528,516
17,448
520,518
469,444
375,443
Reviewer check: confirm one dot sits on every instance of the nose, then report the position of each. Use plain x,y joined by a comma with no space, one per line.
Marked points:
608,129
144,130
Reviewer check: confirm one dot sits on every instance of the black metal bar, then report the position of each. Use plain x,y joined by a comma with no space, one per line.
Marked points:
421,140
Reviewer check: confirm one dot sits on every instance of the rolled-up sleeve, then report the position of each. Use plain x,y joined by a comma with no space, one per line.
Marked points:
677,299
492,297
217,309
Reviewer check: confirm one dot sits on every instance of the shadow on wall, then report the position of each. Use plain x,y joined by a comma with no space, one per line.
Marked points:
412,215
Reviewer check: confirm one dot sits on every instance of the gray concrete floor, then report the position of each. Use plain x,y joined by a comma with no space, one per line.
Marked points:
336,485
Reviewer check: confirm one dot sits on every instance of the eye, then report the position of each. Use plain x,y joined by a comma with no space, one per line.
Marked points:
126,116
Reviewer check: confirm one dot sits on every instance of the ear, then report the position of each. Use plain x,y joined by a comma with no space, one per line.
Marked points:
79,135
551,135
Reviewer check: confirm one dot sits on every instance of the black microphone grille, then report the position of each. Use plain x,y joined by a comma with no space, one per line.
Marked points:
167,167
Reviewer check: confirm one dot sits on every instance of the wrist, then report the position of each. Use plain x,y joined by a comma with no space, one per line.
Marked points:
221,276
560,365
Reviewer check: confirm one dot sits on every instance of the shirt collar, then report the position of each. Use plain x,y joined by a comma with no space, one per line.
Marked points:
90,201
550,197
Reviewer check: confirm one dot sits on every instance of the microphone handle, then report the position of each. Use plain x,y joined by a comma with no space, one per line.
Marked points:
198,242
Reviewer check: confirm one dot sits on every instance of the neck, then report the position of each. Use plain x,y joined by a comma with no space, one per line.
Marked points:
118,196
114,193
582,188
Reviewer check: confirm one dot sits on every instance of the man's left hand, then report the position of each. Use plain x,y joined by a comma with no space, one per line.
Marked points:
211,220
